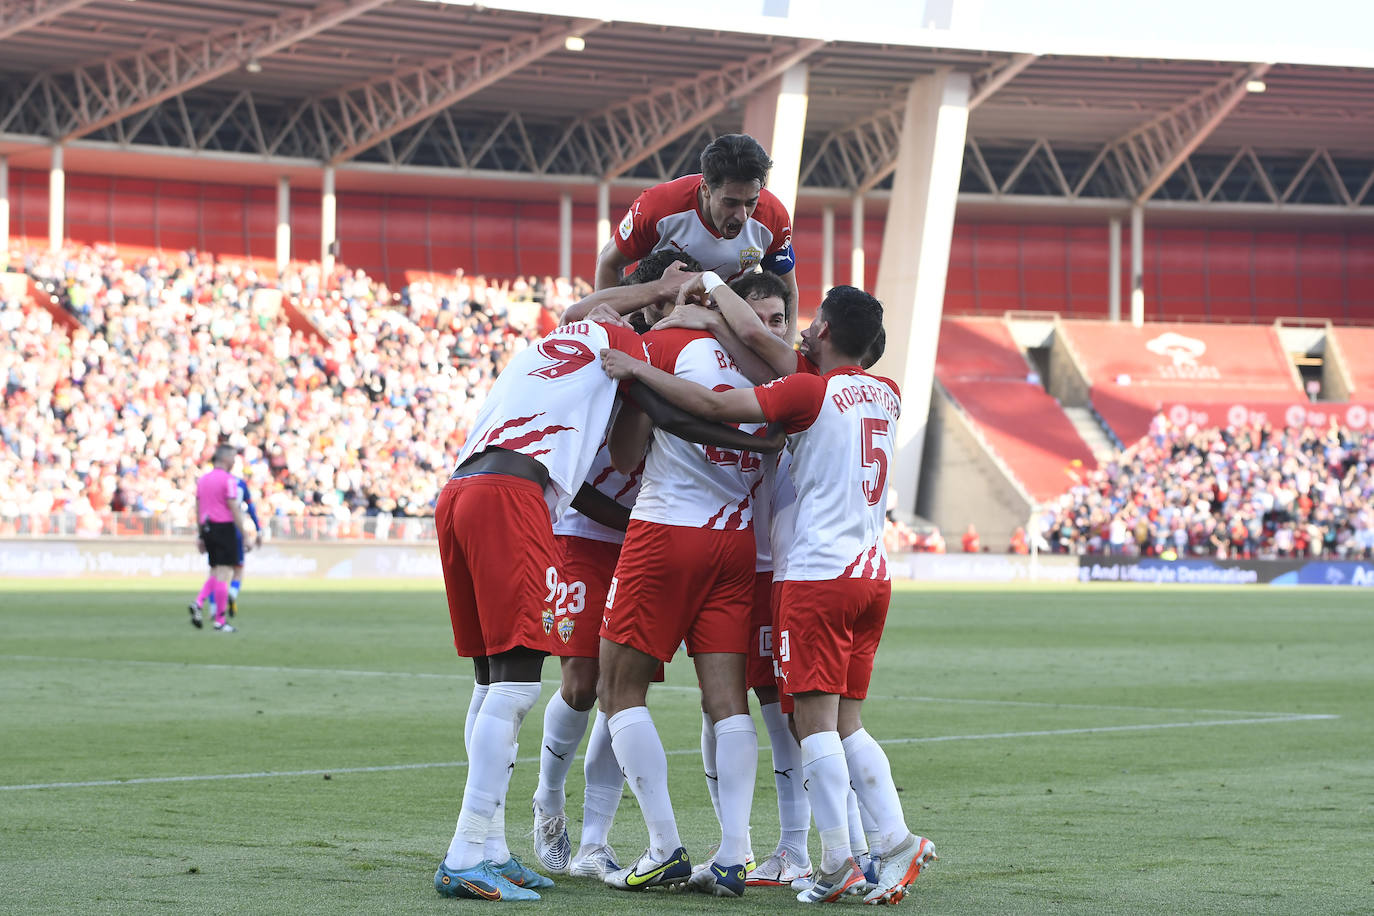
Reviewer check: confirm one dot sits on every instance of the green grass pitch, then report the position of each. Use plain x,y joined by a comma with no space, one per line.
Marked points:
1081,750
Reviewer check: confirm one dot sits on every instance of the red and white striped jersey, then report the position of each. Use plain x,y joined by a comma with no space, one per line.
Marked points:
840,434
623,488
553,403
666,216
692,485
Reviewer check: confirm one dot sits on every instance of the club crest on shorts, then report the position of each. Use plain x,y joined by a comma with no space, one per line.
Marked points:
548,621
565,628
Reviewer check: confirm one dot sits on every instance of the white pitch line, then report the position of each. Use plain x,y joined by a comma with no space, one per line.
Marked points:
427,675
268,774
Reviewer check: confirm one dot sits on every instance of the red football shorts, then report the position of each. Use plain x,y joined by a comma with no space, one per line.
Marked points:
675,583
775,607
759,659
500,562
828,634
584,577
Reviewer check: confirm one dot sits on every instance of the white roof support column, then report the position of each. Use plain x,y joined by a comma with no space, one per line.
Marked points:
329,221
915,258
57,200
603,213
775,115
856,240
283,225
565,232
4,211
827,247
1137,265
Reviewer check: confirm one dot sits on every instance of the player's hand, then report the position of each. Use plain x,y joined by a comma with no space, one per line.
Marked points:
675,274
257,541
606,315
693,289
618,364
200,545
689,316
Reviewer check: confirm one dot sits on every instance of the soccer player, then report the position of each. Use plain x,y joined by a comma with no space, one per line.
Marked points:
686,572
531,447
724,217
237,581
221,521
590,548
835,596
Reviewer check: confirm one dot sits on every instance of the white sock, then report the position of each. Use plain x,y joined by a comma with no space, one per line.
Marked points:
708,761
496,726
827,783
479,693
872,777
737,763
794,811
604,783
858,841
870,825
563,731
495,848
640,752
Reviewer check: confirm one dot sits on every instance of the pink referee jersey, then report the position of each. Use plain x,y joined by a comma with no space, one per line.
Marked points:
840,434
214,492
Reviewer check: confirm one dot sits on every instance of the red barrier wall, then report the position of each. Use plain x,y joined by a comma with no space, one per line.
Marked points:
1191,274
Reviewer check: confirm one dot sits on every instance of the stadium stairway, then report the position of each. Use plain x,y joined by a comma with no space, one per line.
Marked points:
998,442
1350,352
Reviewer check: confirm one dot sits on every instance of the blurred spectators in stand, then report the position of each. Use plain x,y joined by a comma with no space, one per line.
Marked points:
175,352
1238,492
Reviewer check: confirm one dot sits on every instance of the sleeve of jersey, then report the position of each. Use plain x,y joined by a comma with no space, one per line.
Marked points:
780,258
638,231
624,339
794,401
806,367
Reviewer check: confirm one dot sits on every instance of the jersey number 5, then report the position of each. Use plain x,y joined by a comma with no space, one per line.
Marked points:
566,356
874,457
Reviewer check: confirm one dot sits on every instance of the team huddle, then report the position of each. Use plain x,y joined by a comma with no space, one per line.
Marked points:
666,470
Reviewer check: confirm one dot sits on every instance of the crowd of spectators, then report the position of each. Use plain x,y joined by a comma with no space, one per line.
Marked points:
173,354
1234,492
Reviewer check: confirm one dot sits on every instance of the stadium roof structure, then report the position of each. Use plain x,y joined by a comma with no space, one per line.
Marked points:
490,98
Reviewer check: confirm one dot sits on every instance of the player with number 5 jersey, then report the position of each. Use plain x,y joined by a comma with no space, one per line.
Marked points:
836,588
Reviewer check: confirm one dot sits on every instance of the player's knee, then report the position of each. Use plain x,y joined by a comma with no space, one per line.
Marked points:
579,685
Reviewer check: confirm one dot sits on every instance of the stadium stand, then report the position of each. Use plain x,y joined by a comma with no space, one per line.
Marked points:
1201,373
1250,492
983,370
171,354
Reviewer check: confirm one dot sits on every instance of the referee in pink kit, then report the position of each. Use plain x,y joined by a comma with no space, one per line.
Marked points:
222,521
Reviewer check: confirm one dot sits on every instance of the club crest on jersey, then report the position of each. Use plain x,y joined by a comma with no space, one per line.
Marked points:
565,628
548,621
749,258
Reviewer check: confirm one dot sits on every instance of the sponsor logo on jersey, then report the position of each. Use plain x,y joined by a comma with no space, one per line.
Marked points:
749,258
627,225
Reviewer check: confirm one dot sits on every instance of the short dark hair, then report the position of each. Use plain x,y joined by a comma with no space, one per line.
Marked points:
854,318
875,349
734,157
763,284
652,266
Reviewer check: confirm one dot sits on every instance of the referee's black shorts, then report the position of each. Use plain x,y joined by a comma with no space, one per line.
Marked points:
221,542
